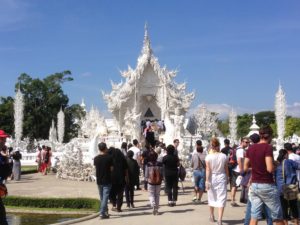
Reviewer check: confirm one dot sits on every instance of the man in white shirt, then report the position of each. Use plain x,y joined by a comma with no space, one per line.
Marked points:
293,156
240,153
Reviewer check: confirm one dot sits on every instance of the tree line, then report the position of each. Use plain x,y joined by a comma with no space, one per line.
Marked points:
43,98
263,118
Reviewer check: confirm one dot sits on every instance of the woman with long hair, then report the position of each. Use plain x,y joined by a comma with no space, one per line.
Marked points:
216,180
285,173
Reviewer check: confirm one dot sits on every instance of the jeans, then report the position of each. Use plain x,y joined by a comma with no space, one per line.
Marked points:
260,194
154,193
104,190
199,178
265,210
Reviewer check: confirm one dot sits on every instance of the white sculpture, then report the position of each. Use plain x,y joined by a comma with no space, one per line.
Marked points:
233,126
93,124
280,112
18,116
53,133
61,125
206,122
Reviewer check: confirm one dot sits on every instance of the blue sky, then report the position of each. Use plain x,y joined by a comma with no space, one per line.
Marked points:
231,53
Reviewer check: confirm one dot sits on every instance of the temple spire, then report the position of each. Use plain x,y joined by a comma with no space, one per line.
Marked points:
147,46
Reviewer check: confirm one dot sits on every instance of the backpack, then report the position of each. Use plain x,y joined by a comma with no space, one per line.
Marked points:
232,162
155,176
181,173
46,160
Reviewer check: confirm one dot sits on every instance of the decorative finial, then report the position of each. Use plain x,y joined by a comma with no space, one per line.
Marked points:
146,48
146,29
253,119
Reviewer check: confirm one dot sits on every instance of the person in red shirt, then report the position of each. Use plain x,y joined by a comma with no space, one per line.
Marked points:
263,189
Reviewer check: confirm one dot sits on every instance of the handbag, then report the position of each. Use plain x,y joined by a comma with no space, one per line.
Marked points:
290,191
3,190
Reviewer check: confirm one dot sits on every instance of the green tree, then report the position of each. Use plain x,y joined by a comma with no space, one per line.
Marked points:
243,124
292,126
43,99
223,126
7,114
265,118
72,115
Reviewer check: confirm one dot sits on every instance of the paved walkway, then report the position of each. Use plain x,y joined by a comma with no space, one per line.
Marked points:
186,212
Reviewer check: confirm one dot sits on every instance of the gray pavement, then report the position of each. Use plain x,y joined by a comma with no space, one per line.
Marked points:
186,212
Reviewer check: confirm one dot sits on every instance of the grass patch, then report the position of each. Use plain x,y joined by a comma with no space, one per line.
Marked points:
54,203
28,169
54,210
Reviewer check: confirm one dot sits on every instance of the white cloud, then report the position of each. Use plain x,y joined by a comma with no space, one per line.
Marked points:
223,110
294,109
86,74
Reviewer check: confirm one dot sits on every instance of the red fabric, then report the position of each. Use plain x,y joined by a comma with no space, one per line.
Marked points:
256,154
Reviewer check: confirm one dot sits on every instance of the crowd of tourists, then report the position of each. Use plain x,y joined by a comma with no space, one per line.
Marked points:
267,185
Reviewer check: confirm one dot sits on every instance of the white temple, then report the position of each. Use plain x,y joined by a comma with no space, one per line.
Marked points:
148,93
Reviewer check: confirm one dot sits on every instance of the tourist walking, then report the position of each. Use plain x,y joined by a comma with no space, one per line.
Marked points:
198,166
216,180
285,174
39,158
136,156
17,156
240,153
145,155
104,166
245,183
4,170
119,176
171,163
263,189
154,176
133,178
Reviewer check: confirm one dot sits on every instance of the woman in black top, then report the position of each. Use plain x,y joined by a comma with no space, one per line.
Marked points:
171,163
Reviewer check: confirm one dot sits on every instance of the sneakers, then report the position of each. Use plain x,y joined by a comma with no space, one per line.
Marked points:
171,203
104,216
132,205
195,199
155,211
234,204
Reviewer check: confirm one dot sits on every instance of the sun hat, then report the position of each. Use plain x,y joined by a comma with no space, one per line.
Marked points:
3,134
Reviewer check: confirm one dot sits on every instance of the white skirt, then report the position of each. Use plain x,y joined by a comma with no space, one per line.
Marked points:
217,194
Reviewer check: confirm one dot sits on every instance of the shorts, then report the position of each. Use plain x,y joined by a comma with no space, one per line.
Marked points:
233,178
268,194
199,179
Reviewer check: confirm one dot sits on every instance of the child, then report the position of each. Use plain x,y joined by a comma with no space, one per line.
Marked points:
154,176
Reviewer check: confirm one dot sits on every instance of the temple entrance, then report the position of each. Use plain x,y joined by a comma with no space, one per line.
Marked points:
149,108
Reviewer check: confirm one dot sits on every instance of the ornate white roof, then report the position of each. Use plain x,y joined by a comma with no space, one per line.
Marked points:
121,92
